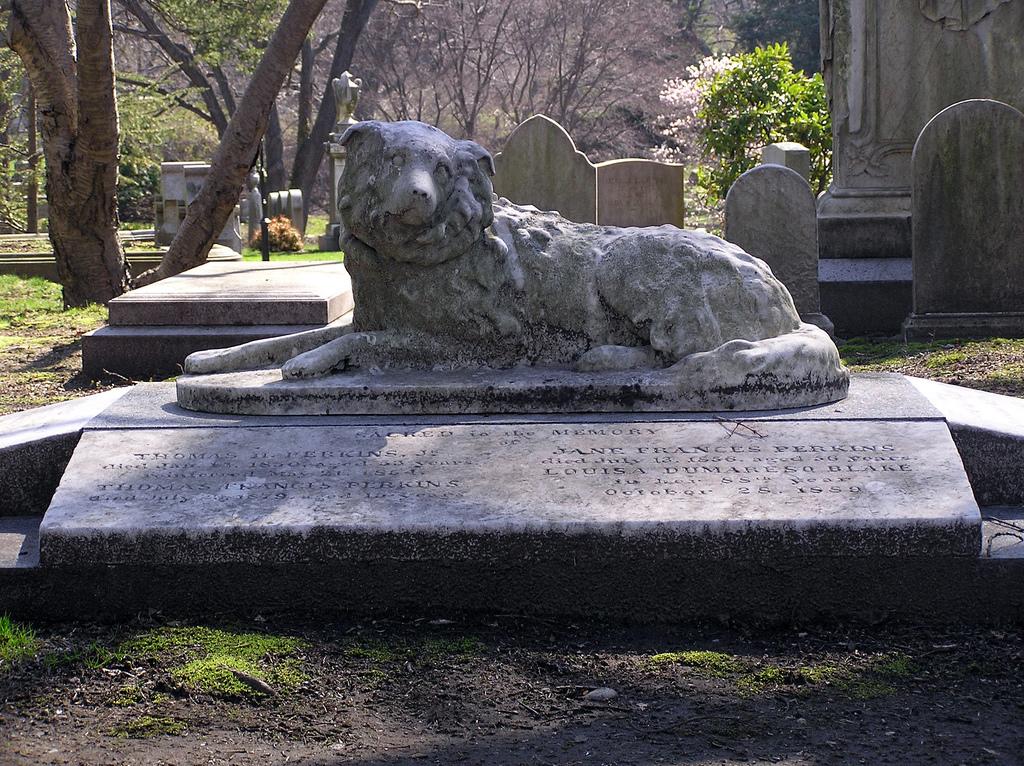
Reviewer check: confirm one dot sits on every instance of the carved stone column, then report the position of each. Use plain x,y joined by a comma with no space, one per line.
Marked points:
890,66
346,97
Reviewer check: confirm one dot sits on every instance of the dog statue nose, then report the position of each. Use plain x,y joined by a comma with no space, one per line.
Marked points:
416,198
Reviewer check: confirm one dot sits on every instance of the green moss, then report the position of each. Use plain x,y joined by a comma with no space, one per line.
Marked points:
896,665
149,726
17,642
715,663
762,679
127,696
375,651
942,359
870,354
440,648
203,659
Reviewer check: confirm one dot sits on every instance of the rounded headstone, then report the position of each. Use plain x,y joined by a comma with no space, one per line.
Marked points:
968,211
770,212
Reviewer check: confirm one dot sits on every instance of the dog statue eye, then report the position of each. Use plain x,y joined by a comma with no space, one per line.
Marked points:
397,160
442,173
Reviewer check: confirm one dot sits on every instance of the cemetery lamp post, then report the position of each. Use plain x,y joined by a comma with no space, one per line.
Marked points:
264,221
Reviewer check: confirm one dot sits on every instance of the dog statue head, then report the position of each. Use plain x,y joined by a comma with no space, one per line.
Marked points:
412,193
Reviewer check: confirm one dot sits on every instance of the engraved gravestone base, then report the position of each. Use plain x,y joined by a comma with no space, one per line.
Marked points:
163,487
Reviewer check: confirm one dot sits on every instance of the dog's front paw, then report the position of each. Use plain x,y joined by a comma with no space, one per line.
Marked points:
215,360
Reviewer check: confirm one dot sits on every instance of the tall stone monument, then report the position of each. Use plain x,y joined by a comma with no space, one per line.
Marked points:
346,97
890,67
969,223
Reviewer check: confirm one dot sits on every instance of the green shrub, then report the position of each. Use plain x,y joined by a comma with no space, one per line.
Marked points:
283,237
758,100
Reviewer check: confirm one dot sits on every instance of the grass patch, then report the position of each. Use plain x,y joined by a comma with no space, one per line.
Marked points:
211,661
93,656
308,253
149,726
17,642
714,663
36,303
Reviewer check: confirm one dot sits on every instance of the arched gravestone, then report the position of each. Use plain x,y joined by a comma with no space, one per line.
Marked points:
636,192
770,213
968,223
541,166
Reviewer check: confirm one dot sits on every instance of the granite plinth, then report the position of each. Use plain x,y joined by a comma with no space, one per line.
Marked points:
532,389
964,325
866,296
501,494
240,293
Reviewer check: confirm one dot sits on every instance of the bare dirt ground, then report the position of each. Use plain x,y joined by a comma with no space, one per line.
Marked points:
508,691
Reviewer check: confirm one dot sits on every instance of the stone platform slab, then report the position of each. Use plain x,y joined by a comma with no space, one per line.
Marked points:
240,293
505,494
523,390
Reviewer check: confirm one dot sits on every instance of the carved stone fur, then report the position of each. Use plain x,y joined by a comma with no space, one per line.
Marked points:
446,276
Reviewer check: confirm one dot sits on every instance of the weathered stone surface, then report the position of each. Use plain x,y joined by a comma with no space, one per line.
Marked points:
865,296
705,385
446,278
770,213
36,444
789,154
989,433
890,67
634,192
872,396
541,166
496,492
969,222
159,351
19,542
240,293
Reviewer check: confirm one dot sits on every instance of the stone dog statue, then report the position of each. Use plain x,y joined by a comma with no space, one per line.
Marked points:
446,277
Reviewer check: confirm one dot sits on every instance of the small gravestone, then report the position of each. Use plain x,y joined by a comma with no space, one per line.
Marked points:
636,192
968,223
542,167
790,155
770,213
288,203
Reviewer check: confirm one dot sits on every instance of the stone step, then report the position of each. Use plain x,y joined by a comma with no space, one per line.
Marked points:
240,293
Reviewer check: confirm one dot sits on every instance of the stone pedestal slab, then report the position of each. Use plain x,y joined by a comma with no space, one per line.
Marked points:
502,494
240,293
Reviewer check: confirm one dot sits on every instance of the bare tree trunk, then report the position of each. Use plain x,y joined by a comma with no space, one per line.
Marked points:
32,187
209,212
305,90
277,176
79,129
311,151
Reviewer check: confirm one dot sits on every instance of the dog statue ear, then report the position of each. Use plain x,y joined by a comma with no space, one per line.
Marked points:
481,155
360,127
